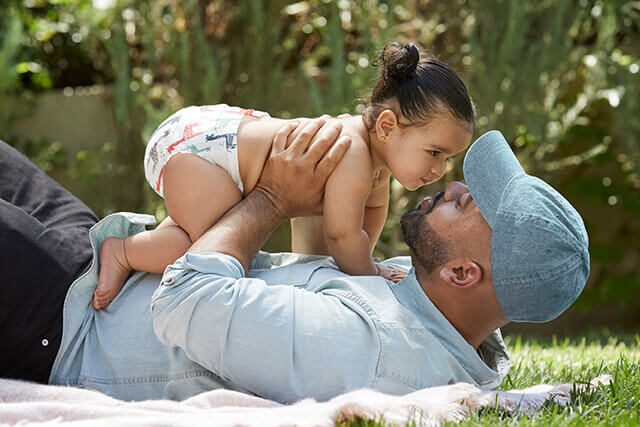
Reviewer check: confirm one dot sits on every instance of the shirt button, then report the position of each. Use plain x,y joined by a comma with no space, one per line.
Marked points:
44,342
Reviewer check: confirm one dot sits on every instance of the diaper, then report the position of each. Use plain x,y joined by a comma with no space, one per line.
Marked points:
208,131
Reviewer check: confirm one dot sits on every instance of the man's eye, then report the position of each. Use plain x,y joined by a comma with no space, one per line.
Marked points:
458,201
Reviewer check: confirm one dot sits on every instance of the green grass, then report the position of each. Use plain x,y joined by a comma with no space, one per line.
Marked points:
557,361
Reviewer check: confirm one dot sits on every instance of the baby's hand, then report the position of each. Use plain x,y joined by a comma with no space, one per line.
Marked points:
389,273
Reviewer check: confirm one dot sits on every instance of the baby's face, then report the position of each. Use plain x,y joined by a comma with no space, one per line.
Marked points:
419,155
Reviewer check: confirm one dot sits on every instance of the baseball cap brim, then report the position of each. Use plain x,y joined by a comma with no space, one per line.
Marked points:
489,166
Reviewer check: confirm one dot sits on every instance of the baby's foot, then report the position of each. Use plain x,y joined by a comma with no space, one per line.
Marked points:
114,270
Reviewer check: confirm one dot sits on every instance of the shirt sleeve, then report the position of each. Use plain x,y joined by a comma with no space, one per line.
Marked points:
281,342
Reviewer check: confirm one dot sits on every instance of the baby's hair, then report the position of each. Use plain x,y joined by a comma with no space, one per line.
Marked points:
421,86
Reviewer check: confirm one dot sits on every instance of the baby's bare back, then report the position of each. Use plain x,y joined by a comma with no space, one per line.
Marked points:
254,143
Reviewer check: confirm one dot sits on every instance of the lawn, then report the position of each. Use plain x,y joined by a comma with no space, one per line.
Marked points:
579,360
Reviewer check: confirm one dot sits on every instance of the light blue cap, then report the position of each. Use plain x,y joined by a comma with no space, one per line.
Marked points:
539,245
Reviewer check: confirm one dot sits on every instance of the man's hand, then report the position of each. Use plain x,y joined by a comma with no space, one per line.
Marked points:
295,173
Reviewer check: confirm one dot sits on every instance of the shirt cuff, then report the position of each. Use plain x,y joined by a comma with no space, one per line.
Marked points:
207,263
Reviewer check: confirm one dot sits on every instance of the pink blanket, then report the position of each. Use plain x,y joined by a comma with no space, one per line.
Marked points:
30,404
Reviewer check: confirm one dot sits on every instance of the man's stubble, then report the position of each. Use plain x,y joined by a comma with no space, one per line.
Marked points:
426,246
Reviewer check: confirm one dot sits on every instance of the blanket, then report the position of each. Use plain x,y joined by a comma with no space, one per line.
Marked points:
26,404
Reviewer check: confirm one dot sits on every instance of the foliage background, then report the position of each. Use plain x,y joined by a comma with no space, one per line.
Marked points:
560,79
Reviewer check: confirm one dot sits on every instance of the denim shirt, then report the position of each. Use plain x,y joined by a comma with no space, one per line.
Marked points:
293,327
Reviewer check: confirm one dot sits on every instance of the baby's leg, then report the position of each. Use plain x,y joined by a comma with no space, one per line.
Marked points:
197,193
149,251
152,251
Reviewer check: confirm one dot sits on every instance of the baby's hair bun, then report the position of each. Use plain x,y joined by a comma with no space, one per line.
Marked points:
399,62
417,87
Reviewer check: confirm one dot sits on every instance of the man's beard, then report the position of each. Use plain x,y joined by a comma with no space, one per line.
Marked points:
427,248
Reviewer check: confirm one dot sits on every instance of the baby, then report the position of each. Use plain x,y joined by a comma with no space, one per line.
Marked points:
203,160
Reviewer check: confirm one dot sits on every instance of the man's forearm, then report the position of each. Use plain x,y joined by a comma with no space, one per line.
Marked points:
243,230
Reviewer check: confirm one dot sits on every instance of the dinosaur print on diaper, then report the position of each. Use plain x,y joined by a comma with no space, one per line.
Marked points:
244,112
229,140
222,123
153,152
194,150
173,119
153,157
187,133
208,131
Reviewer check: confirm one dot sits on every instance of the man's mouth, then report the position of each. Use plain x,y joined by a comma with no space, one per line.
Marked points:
430,202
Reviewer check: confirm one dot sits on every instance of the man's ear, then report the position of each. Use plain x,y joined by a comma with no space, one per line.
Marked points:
461,273
387,122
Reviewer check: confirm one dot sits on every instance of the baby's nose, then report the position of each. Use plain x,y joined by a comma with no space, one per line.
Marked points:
438,171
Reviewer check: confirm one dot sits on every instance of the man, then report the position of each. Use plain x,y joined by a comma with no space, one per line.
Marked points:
294,326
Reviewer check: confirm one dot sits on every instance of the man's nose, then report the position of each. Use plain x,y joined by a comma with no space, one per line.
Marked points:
454,189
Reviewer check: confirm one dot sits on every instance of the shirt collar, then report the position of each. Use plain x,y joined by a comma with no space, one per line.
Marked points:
488,373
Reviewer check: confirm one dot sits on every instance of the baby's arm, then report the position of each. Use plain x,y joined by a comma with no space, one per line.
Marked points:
308,237
375,214
346,193
376,208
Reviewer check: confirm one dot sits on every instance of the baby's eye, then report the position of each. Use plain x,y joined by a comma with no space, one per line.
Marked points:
434,153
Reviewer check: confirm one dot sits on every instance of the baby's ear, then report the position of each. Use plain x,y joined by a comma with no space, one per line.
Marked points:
386,123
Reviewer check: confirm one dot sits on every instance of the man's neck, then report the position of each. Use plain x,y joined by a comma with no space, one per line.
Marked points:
471,320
